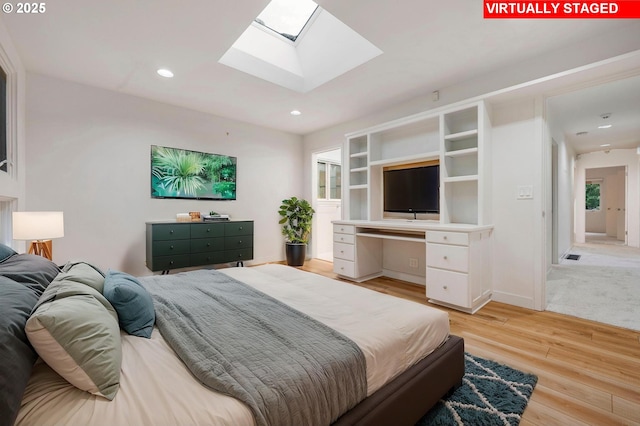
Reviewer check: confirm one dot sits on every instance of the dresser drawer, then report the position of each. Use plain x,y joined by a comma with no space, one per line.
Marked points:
344,267
454,258
207,230
171,231
344,238
442,237
171,247
447,286
207,258
238,242
344,229
238,228
343,251
163,263
238,255
202,245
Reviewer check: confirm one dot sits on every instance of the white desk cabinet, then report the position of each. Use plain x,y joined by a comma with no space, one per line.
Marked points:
459,269
458,257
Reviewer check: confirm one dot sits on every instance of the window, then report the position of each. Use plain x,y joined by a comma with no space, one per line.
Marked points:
3,121
329,181
287,17
592,191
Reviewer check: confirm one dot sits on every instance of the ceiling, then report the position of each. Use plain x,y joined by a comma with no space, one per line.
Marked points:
427,45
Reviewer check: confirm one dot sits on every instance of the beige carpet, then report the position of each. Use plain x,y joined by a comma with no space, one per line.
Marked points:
603,285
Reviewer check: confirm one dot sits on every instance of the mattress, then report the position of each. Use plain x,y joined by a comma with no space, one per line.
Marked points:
157,389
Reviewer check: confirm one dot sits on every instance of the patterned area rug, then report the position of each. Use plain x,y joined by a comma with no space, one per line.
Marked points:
491,394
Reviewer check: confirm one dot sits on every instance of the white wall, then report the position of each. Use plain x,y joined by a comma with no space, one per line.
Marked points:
615,157
517,156
88,152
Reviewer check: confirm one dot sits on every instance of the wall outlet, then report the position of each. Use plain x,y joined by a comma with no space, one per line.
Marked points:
413,262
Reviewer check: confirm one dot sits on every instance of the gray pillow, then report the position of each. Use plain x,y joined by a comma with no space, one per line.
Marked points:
16,354
35,272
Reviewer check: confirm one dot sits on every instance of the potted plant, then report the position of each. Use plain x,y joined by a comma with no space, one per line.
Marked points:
296,215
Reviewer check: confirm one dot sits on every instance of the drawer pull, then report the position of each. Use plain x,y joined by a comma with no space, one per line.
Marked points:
444,257
208,229
171,263
171,248
342,229
171,231
208,244
240,228
341,239
239,241
342,268
341,251
444,287
444,238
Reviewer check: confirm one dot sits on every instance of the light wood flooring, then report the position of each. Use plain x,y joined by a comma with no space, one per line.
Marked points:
588,373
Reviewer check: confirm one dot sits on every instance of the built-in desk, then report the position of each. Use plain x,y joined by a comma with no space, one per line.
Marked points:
457,261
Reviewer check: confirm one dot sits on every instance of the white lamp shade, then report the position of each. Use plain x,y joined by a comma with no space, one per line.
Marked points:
37,225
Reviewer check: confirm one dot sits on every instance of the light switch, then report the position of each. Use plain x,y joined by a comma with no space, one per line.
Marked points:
525,192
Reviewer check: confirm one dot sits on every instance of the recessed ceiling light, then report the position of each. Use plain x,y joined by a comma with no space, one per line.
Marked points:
165,73
605,144
605,126
295,112
581,133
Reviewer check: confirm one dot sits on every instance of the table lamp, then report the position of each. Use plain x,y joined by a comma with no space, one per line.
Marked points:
40,228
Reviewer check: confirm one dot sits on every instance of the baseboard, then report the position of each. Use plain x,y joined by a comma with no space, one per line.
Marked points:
512,299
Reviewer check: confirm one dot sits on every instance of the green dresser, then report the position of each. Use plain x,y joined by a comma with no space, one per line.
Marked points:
172,245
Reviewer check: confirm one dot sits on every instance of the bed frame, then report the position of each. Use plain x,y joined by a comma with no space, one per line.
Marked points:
408,397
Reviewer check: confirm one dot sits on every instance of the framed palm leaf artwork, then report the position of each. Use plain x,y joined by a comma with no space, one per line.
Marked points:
181,173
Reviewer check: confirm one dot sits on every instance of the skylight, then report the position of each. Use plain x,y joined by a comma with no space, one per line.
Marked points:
287,17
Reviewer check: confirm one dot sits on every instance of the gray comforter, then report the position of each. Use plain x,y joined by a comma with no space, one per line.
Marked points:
288,368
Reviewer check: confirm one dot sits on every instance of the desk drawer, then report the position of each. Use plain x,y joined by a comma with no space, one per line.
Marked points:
344,267
442,237
447,286
453,258
343,251
344,238
344,229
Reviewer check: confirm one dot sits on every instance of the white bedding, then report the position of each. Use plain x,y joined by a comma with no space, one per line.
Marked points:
157,389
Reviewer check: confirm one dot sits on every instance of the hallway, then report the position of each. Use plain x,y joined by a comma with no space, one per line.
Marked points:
602,285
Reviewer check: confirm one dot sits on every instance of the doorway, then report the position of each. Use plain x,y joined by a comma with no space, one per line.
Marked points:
327,200
605,205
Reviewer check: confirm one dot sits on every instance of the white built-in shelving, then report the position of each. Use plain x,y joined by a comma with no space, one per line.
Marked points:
457,139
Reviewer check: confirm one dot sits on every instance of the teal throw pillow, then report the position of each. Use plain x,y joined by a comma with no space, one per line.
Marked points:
6,252
132,302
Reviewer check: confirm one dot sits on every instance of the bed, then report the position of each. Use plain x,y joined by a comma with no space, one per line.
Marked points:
411,360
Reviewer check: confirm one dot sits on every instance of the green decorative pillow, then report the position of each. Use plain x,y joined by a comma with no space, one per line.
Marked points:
132,302
75,330
84,273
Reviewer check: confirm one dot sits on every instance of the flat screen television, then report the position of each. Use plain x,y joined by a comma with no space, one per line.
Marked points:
180,173
415,190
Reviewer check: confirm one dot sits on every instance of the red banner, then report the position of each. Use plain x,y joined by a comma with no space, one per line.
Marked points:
621,9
